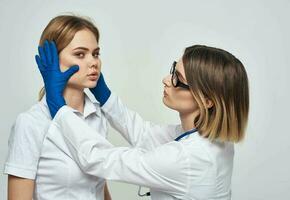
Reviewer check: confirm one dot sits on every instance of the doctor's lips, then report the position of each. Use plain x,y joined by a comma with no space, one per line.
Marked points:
165,93
93,76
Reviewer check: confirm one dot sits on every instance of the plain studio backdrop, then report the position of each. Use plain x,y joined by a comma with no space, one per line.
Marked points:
139,41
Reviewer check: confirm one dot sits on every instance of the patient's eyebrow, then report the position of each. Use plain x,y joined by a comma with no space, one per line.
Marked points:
86,49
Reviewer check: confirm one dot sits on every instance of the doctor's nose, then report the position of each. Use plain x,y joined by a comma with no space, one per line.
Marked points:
167,81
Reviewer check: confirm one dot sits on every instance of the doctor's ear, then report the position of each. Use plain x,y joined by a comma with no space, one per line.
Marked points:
208,103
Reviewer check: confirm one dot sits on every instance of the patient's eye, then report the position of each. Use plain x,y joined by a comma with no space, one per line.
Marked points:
79,54
96,54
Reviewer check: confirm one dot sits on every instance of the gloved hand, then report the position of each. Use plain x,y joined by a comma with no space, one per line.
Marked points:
54,80
101,91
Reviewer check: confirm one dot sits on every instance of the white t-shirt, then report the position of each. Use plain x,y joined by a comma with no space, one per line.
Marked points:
33,155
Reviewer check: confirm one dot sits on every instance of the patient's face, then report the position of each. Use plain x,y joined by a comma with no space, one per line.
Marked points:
83,51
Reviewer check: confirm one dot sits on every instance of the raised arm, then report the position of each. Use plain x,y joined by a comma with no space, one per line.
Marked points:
137,131
97,157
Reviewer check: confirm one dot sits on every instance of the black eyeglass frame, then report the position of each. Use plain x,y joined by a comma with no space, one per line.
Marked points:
174,76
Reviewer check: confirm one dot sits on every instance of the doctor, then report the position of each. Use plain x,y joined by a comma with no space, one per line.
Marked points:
208,87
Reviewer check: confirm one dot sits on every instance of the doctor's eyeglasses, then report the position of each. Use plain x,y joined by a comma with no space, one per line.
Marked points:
174,78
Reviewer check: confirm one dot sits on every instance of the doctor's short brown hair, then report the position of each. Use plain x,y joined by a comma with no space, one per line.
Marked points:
220,77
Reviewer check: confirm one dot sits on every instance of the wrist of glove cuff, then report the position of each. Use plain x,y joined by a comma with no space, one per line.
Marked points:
54,105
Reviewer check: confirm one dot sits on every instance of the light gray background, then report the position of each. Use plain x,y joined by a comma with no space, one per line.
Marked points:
139,41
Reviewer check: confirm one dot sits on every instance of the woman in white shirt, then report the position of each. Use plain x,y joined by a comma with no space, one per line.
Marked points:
38,167
208,87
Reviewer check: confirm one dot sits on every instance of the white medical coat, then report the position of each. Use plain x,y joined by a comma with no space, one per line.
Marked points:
193,168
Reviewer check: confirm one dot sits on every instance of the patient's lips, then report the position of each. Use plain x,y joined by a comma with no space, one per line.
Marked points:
93,76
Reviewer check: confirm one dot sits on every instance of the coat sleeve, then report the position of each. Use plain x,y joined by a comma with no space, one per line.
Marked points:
97,157
137,131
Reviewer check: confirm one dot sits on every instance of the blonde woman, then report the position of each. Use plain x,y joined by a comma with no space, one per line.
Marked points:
38,167
208,87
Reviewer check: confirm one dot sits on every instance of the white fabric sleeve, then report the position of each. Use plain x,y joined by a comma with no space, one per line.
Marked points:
24,146
138,132
97,157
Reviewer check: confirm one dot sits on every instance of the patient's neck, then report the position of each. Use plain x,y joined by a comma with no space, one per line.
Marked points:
74,98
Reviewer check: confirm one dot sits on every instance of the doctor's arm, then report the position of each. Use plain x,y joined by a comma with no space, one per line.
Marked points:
97,157
20,188
136,130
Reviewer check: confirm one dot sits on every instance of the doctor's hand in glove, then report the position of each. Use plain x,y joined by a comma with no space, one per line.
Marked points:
54,80
101,91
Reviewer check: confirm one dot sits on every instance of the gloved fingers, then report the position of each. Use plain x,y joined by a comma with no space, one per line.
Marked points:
47,52
101,79
68,73
101,76
42,55
54,53
39,64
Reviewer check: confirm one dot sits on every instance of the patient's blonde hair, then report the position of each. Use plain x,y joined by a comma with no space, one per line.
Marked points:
218,76
62,30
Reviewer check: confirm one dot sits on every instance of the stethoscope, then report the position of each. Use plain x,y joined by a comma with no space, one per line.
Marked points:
176,139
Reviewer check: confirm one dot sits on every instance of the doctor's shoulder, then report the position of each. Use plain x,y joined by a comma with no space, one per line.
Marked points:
212,149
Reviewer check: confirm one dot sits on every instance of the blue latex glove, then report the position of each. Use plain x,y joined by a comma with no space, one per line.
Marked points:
54,80
101,91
